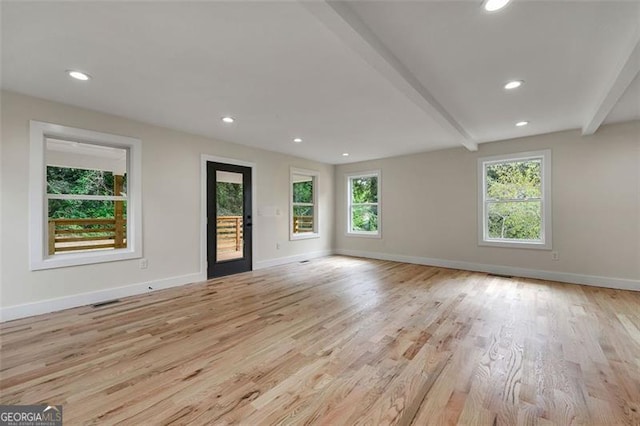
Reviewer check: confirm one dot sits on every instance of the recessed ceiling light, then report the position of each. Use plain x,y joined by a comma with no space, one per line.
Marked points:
297,140
494,5
228,120
514,84
522,123
345,154
78,75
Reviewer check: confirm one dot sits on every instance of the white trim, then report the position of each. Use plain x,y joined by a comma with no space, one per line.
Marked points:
86,197
9,313
315,175
204,158
545,199
60,303
38,258
303,236
368,173
566,277
57,304
291,259
364,234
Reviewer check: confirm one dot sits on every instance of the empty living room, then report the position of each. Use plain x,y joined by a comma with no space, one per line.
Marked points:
367,212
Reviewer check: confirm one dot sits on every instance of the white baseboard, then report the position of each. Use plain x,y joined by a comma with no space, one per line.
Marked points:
51,305
58,304
566,277
290,259
42,307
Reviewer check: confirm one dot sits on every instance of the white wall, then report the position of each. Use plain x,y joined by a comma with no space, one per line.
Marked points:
171,209
429,208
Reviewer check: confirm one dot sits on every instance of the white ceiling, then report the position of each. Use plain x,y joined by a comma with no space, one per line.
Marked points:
562,50
401,77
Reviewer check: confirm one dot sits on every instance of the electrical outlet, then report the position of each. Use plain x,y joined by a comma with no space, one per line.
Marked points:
555,255
144,263
277,246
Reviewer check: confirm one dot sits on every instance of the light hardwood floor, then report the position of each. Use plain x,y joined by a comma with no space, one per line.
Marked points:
337,341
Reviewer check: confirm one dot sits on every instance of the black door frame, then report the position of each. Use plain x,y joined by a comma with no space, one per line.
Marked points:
232,266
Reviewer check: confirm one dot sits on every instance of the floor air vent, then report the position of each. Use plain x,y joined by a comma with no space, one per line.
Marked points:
501,276
108,302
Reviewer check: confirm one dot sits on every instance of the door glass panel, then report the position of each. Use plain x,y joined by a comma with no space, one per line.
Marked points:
229,215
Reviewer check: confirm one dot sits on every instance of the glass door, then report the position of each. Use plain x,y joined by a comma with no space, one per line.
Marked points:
229,219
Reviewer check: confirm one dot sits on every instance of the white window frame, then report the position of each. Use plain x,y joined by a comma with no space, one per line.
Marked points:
545,242
349,178
314,175
38,212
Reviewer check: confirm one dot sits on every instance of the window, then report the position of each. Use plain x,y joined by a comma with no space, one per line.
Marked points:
515,200
363,191
304,204
85,197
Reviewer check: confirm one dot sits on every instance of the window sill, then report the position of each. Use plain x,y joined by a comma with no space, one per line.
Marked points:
76,259
514,244
364,234
305,236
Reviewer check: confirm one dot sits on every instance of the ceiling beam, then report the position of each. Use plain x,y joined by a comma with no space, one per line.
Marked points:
350,29
626,71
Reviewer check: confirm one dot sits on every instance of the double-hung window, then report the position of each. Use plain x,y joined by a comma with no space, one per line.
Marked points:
303,204
85,194
515,200
363,204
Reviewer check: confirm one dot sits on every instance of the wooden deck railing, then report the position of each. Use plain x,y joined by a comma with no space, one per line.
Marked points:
90,234
302,224
229,233
86,234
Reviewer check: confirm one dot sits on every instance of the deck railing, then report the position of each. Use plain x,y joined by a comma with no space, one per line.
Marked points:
107,233
302,224
229,233
86,234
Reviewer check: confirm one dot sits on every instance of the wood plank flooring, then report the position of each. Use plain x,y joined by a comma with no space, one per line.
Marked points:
337,341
